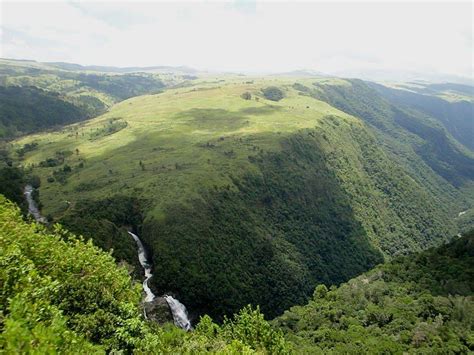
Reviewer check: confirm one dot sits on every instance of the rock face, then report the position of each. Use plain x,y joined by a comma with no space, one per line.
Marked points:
158,311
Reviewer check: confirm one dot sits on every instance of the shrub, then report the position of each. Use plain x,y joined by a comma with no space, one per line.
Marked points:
273,93
246,96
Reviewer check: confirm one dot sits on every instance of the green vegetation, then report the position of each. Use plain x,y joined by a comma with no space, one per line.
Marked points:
112,126
427,141
248,193
26,109
273,93
61,295
455,116
283,195
35,96
100,221
416,304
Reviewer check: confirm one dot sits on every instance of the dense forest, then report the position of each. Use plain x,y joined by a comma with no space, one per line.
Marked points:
424,126
298,225
60,294
28,109
417,304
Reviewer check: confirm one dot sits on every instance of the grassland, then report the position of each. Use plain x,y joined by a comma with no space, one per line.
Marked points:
87,93
186,139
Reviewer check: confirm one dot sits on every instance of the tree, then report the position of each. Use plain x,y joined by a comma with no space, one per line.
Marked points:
246,96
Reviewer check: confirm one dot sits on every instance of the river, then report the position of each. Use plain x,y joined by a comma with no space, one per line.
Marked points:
32,207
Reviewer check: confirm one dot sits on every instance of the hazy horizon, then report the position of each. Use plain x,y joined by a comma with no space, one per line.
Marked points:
337,38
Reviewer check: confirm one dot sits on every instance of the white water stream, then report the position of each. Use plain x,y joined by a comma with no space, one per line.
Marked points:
180,314
178,310
32,207
146,266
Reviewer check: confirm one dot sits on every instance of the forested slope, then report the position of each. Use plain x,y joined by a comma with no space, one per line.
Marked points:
61,295
455,115
418,304
28,109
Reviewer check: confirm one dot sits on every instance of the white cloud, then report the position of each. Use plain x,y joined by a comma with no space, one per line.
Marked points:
328,37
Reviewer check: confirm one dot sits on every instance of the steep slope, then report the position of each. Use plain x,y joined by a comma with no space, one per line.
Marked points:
35,96
424,135
61,295
419,142
455,114
27,109
418,304
243,199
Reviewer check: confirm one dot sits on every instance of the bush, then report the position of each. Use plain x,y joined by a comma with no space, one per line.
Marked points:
246,96
273,93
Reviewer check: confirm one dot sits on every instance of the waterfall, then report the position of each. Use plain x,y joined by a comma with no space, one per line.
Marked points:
32,208
146,266
178,310
180,314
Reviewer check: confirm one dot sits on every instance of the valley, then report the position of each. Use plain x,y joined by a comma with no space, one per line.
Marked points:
236,177
283,188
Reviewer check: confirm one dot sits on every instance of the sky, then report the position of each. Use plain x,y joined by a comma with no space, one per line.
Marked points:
245,36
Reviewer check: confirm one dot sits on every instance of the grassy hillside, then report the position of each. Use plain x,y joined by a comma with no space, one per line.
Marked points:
418,304
281,193
35,96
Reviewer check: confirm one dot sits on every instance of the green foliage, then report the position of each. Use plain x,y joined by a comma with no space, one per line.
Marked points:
27,109
50,281
61,295
395,123
456,116
422,303
29,147
282,195
103,221
12,180
34,99
296,229
112,126
247,330
273,93
249,327
120,86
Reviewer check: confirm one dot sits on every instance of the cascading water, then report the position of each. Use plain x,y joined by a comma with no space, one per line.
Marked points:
178,310
32,208
180,314
146,266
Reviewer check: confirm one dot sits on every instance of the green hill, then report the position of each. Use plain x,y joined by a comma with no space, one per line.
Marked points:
416,304
35,96
280,194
